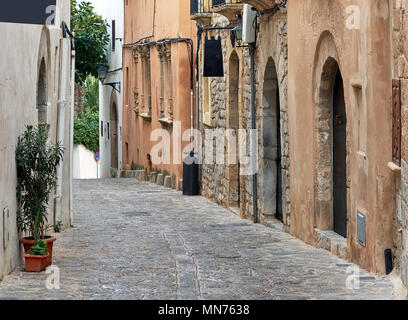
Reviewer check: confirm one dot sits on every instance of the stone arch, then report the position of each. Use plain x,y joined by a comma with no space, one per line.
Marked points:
114,120
271,164
233,125
43,77
327,82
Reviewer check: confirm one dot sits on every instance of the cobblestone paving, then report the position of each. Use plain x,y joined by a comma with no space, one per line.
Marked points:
136,240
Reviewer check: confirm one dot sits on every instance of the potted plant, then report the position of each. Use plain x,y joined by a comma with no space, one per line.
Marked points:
37,163
36,258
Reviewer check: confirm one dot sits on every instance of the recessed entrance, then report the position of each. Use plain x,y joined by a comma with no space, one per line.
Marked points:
331,166
42,93
233,123
271,142
114,135
339,158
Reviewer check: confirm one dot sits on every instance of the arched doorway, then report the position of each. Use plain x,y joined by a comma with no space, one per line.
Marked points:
331,167
271,143
114,134
339,157
42,93
233,167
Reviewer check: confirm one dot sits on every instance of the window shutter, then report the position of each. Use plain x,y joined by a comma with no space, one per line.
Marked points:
396,121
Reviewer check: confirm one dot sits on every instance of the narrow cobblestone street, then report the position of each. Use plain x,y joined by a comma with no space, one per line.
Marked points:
136,240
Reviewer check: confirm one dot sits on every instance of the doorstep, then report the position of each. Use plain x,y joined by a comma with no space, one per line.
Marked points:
331,241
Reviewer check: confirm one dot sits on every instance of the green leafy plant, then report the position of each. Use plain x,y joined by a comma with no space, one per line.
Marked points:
39,249
37,162
91,94
57,226
86,130
91,39
133,166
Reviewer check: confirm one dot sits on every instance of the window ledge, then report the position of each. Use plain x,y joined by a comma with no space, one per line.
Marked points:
166,120
394,168
146,116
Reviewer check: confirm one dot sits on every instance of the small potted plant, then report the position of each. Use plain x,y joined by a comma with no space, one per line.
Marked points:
36,258
37,163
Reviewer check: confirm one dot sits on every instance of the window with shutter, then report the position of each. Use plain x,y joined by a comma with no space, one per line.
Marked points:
396,121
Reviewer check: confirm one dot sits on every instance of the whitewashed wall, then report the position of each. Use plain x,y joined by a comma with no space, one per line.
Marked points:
22,50
84,164
111,10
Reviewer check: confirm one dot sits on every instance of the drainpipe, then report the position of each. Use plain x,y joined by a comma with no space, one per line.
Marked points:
61,122
71,145
253,136
199,35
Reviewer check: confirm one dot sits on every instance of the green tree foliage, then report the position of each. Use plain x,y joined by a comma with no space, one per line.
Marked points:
91,38
91,94
86,130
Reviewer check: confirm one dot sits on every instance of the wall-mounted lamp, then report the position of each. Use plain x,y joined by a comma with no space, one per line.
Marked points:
102,73
236,35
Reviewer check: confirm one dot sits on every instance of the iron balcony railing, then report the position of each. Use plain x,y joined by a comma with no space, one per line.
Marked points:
216,3
206,6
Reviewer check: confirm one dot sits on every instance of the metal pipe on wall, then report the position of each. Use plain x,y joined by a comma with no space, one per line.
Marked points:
61,121
253,135
71,145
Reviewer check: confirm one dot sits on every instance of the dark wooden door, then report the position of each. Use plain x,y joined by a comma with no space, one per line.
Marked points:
279,210
339,158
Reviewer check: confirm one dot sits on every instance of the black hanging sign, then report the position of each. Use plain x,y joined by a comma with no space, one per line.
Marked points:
29,11
213,62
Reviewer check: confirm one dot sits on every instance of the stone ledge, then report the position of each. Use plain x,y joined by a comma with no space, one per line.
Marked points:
394,168
270,221
160,180
146,116
331,241
167,182
166,121
135,174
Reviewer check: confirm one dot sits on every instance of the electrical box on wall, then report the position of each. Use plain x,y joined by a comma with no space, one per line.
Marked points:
361,228
249,24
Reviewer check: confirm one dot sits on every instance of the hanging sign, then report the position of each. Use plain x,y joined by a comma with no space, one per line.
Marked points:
213,63
29,11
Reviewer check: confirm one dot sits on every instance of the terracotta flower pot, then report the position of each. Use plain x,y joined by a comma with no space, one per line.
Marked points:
35,263
28,242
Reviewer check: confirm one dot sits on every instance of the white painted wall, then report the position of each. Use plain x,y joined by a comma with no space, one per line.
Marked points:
111,10
22,49
85,166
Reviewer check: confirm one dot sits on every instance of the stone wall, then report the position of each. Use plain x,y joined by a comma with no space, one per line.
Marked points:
217,179
318,33
400,71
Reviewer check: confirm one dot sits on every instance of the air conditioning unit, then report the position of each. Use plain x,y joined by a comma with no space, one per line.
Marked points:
249,24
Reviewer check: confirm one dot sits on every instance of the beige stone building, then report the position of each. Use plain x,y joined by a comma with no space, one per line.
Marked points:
31,82
225,103
331,115
399,53
157,63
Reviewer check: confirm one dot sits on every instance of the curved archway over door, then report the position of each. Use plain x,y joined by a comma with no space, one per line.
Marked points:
331,167
233,123
271,142
42,77
339,157
114,132
42,93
